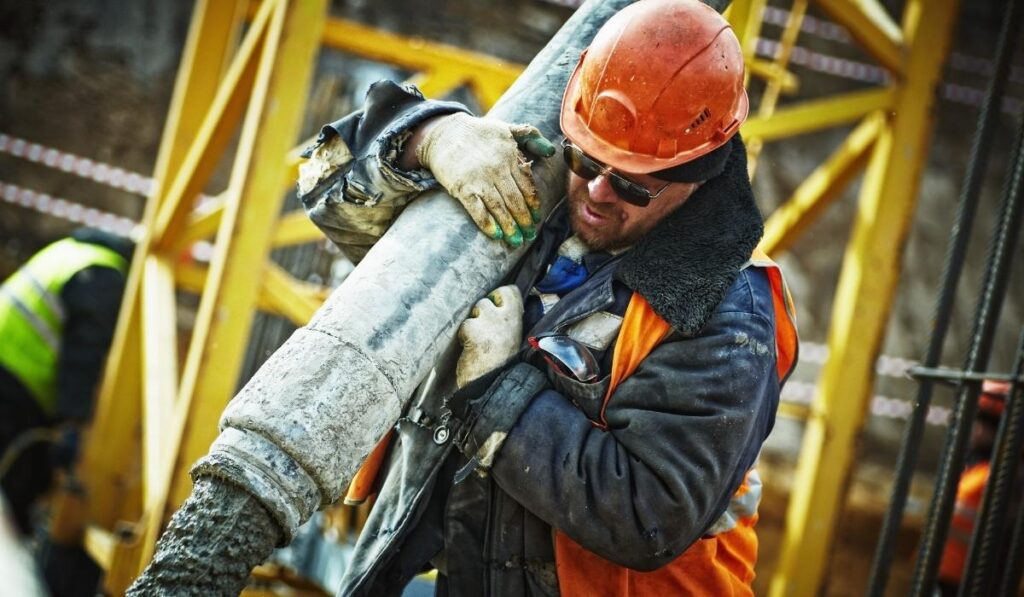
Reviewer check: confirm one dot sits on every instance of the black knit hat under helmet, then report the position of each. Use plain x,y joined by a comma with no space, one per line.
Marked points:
703,168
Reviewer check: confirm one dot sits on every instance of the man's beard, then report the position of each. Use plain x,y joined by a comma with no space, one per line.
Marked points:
608,238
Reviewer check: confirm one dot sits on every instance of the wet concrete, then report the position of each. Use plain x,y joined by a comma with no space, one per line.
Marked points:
218,535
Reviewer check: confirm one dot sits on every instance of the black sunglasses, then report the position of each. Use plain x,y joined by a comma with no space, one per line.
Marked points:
588,168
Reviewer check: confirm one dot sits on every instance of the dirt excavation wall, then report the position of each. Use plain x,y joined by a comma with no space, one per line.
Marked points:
93,77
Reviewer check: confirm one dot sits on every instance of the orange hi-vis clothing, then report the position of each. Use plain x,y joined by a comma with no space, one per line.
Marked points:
968,502
722,562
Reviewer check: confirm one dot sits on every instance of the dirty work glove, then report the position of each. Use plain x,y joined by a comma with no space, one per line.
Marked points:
490,335
492,415
479,162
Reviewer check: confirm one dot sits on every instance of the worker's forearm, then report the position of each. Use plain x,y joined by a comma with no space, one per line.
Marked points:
212,543
408,160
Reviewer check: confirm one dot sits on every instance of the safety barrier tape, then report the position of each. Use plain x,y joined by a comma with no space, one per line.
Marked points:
83,167
137,183
802,393
67,210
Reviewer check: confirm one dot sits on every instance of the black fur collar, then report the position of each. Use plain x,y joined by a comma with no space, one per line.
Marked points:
687,263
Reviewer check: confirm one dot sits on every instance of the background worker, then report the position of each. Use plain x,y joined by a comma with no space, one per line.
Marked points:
57,319
991,406
615,394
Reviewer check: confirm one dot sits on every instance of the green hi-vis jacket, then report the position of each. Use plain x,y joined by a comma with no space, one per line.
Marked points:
32,314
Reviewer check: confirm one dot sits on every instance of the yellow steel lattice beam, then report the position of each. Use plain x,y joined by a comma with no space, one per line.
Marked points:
867,284
873,28
269,74
772,72
213,137
159,369
770,97
218,125
99,544
445,62
812,115
745,17
437,83
821,188
288,297
295,228
280,293
202,224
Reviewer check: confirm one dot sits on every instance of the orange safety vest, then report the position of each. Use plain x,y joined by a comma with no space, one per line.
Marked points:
719,564
968,501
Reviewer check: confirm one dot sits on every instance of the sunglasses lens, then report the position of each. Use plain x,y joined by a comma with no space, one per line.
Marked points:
580,163
629,191
587,168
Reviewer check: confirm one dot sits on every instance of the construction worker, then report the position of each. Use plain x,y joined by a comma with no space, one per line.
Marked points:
991,405
614,395
57,318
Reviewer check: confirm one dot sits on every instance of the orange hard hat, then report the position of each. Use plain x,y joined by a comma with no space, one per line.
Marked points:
992,400
661,85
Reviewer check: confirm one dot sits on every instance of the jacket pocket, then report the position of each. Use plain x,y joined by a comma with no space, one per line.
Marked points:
587,397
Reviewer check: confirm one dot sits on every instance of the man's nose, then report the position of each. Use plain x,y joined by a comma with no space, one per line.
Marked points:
601,190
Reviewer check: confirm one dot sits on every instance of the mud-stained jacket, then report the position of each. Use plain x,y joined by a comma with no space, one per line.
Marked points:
682,432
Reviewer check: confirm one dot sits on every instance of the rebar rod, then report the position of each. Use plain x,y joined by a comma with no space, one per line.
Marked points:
1015,549
956,253
989,533
986,318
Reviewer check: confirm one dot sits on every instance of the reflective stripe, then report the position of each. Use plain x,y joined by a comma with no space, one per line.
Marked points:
48,334
53,303
742,505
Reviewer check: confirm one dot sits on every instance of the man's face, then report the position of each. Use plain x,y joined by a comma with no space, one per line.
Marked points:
604,221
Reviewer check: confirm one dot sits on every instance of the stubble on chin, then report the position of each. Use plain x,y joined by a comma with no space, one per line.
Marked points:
590,236
599,239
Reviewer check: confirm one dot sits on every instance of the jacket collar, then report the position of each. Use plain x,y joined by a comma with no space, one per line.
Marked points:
685,266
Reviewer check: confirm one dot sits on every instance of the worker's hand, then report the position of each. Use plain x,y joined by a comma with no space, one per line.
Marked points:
481,163
491,334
